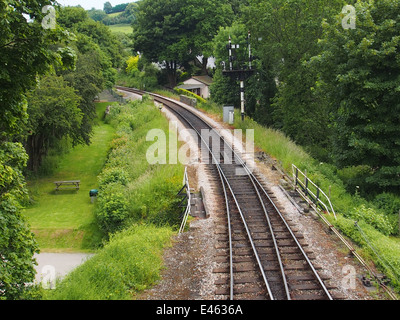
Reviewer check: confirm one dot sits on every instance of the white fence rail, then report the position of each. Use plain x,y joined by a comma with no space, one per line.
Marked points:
309,190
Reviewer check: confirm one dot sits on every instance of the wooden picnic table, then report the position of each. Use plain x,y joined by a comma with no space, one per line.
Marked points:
70,184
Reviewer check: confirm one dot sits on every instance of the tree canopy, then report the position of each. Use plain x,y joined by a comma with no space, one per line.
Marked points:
26,51
174,32
50,73
359,73
53,114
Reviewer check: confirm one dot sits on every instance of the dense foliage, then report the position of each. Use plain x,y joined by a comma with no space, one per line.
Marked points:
26,51
53,114
51,69
332,89
87,69
359,73
174,32
128,184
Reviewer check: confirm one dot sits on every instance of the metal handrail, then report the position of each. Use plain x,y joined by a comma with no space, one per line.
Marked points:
187,210
307,192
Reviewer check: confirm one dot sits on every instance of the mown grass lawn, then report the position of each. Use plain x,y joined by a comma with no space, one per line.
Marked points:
64,220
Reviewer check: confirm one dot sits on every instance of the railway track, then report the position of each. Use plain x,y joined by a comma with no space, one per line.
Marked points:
260,256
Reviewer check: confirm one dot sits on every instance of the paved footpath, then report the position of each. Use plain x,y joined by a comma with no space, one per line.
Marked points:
57,265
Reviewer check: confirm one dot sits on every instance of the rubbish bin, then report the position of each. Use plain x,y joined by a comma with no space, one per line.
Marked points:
93,194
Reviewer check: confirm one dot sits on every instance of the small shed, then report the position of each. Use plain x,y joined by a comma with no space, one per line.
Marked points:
199,85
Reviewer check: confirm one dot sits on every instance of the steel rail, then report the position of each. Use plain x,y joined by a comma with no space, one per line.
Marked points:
278,254
237,205
276,247
231,279
255,182
221,173
254,179
320,281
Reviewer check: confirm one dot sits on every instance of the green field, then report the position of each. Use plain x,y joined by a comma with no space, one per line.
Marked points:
115,14
64,220
124,28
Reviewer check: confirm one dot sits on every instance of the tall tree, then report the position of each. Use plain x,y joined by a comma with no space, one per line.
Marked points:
26,51
288,33
53,114
107,7
174,32
76,20
89,79
158,34
359,73
203,19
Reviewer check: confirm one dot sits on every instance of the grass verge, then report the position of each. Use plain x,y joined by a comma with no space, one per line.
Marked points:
131,261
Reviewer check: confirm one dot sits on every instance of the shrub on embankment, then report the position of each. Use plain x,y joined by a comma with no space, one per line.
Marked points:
131,189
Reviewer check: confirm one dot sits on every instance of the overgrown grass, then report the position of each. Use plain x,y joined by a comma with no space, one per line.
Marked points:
130,262
65,221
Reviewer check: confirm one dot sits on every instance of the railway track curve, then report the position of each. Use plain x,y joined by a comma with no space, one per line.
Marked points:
260,256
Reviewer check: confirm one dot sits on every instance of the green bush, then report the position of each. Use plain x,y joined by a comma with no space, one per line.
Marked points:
376,219
129,176
163,185
112,208
112,175
389,202
190,94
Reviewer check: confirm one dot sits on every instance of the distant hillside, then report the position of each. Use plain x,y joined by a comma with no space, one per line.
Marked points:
120,14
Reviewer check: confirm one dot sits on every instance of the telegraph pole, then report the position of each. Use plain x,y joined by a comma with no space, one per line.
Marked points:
242,73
